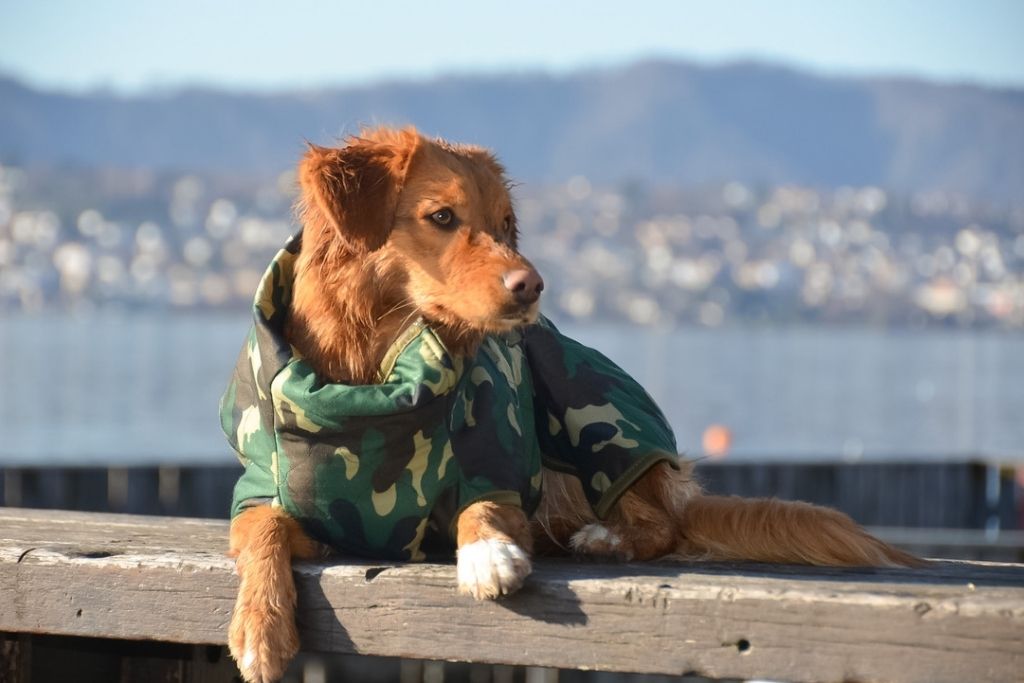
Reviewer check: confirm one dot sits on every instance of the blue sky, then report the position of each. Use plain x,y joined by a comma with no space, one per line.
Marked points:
260,45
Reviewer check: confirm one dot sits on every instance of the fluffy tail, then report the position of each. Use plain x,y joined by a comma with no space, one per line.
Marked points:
769,530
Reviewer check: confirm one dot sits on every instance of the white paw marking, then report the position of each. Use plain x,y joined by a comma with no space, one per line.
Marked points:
489,568
248,659
594,537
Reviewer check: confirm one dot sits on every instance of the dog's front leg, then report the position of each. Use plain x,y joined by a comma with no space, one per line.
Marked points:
262,636
494,549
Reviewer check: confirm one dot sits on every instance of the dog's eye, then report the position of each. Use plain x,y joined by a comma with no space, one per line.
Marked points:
444,217
506,226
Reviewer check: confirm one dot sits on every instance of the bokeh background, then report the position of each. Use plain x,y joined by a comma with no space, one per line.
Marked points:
800,224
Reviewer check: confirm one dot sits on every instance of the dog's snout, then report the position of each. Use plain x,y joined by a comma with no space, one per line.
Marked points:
525,284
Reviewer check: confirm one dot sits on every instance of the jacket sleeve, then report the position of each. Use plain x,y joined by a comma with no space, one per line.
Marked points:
247,420
247,414
593,419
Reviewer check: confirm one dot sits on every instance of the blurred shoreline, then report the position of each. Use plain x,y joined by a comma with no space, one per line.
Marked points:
719,255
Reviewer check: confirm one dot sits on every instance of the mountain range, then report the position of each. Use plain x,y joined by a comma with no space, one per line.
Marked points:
659,122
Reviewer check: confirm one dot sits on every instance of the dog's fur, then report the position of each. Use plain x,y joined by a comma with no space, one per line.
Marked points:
374,256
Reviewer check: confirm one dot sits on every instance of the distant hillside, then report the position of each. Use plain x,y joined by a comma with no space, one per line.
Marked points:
654,121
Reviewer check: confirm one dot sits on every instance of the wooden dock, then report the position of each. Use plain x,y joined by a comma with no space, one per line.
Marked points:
166,580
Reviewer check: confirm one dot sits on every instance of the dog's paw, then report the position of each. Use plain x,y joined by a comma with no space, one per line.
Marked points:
597,539
489,568
262,641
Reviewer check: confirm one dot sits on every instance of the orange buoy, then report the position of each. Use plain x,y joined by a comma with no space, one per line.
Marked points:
717,441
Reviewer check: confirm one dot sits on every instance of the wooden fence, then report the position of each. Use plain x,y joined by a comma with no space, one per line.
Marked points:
956,495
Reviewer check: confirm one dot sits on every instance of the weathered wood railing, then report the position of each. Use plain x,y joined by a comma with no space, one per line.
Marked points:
167,580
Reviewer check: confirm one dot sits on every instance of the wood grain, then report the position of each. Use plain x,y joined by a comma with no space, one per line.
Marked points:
166,579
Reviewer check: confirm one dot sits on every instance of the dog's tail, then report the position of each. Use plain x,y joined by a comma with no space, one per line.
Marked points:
769,530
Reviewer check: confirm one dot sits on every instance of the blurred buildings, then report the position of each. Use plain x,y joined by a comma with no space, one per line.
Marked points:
645,255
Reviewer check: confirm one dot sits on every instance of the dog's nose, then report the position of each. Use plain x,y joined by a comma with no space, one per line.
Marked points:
525,285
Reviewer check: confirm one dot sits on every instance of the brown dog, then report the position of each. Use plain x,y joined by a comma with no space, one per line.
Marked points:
398,227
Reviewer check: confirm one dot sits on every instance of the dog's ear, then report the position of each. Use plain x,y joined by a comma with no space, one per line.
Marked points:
353,191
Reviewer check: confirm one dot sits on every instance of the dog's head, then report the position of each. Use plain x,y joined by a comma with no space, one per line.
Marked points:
434,220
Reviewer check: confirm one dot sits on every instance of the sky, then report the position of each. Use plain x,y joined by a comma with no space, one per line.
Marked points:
132,46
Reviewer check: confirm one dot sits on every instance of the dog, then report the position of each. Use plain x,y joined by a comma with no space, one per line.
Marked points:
399,385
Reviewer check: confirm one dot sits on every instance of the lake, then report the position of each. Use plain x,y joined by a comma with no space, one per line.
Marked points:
142,388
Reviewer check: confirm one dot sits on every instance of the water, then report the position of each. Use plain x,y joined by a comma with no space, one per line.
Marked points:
143,388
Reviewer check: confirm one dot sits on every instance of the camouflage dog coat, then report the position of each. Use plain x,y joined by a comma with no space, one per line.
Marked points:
374,470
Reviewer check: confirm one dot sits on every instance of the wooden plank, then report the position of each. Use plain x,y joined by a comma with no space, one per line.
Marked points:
872,493
88,659
64,658
166,579
143,497
899,493
974,544
207,492
15,658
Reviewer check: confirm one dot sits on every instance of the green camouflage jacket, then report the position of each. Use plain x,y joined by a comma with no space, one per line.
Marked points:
375,470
